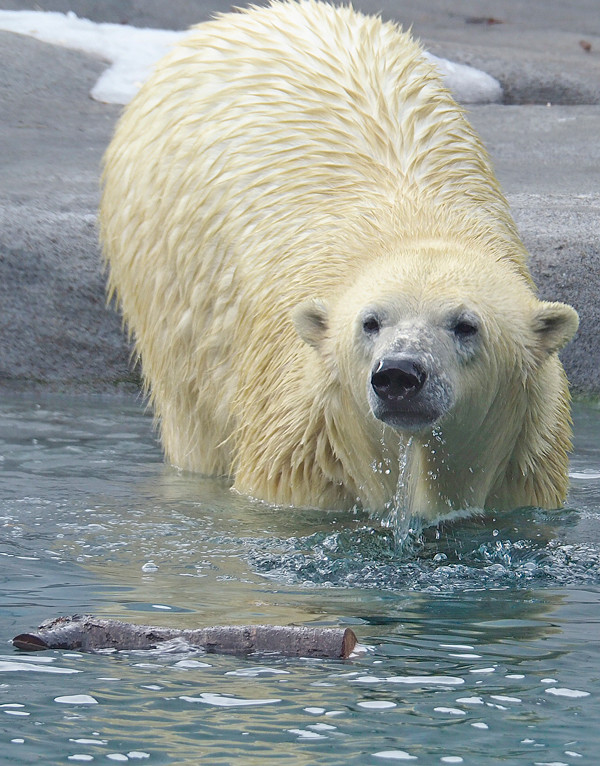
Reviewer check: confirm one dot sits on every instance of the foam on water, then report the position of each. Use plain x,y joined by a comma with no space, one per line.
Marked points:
208,698
76,699
20,667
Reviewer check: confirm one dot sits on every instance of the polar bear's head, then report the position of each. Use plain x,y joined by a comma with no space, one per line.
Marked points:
439,332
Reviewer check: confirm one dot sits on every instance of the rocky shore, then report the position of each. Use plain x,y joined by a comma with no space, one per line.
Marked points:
56,331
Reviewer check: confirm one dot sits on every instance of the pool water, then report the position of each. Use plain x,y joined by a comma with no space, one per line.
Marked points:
483,639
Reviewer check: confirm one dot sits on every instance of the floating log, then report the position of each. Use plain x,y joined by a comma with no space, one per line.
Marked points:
86,633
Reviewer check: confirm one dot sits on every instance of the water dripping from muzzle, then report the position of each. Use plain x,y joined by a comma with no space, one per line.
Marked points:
405,526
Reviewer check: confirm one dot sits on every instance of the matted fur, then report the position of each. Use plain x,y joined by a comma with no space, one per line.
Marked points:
298,152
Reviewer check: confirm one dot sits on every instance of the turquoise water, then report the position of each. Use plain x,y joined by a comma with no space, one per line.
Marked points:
483,641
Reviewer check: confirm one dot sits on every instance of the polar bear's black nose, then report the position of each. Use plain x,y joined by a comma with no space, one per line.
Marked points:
397,378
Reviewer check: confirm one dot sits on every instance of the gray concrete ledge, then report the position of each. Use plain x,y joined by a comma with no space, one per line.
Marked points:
55,329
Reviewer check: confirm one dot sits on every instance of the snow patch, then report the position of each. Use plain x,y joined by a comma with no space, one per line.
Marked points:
132,53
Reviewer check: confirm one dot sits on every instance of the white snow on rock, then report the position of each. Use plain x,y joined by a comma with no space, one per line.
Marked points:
133,51
468,84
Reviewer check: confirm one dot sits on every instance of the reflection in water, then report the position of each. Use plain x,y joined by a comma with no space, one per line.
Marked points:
485,632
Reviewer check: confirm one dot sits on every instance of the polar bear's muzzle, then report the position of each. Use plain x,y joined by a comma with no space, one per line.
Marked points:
397,378
403,394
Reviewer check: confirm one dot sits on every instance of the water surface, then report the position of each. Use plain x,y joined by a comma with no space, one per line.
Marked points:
485,637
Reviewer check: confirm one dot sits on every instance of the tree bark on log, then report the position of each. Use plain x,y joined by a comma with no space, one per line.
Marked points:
87,634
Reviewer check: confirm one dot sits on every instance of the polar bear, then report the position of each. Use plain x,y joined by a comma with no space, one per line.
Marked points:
318,268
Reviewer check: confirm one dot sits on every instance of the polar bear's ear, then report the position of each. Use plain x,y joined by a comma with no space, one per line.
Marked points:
554,324
310,320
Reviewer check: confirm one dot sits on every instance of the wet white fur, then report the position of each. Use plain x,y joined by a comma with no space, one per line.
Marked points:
302,152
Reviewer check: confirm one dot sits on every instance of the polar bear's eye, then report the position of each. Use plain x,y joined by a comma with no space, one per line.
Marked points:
465,328
371,325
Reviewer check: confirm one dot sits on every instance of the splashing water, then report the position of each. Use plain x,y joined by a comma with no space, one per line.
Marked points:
405,526
402,518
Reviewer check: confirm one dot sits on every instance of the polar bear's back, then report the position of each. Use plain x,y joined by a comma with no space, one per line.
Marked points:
266,122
